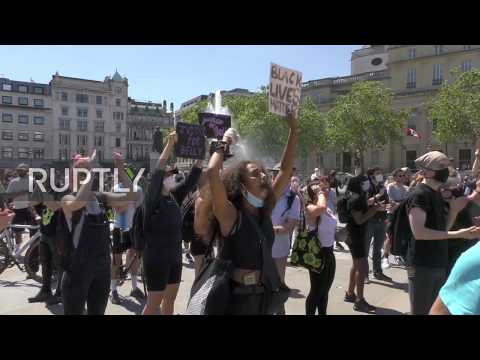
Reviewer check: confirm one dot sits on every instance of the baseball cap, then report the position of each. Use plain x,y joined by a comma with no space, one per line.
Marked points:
433,160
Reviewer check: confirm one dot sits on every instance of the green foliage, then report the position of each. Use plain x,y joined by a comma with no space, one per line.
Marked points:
456,108
191,114
364,119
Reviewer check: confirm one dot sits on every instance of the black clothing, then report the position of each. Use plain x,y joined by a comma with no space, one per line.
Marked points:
425,252
374,190
356,232
320,284
162,256
121,241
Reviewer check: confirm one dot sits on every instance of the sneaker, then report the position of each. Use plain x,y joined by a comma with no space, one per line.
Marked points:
362,306
189,257
42,296
385,263
339,246
114,298
351,298
382,277
137,294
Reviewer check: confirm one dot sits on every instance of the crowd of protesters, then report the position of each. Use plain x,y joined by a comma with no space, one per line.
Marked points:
253,216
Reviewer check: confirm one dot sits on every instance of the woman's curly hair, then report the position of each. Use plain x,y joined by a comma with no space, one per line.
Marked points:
235,176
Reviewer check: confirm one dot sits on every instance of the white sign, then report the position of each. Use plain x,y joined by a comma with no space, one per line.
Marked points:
284,91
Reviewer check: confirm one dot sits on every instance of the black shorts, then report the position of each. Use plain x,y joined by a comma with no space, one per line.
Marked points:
22,217
121,241
162,267
357,246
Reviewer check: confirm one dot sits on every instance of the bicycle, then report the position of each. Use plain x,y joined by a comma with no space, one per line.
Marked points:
31,261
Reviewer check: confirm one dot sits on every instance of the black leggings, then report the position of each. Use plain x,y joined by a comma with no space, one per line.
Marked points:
88,282
320,284
50,262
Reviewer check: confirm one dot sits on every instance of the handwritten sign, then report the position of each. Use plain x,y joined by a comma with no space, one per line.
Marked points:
284,92
215,125
191,141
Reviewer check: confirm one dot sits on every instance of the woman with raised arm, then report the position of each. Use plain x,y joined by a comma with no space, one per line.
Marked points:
84,246
242,204
162,256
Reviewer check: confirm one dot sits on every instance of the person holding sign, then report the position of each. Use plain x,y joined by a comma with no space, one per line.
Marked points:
242,204
162,256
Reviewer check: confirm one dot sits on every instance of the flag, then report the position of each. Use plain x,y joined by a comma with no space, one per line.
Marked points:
411,132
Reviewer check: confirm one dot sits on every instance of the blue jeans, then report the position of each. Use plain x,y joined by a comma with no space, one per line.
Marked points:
376,229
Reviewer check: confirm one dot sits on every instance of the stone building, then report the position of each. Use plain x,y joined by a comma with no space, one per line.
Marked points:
414,73
25,123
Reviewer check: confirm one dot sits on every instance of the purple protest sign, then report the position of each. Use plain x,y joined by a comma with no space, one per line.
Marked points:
191,141
215,125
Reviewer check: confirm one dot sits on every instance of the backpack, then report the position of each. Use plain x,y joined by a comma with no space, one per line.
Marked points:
290,199
343,212
399,231
137,232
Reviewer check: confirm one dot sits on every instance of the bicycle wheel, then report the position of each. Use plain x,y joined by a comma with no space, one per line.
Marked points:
4,253
32,261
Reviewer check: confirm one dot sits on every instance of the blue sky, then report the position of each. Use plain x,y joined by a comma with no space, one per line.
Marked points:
175,73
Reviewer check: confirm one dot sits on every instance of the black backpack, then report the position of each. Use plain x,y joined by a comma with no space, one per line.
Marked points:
399,231
290,199
137,233
343,212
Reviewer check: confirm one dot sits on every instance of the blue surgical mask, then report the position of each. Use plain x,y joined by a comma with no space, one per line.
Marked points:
253,200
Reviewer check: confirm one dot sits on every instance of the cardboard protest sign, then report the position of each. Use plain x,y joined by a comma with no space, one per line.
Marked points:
215,125
191,141
284,91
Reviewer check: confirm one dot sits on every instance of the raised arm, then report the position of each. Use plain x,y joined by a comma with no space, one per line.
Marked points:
223,209
288,158
119,201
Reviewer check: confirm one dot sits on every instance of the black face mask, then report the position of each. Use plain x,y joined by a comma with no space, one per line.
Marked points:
442,175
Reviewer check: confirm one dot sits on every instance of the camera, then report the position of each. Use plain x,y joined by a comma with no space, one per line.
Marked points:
217,144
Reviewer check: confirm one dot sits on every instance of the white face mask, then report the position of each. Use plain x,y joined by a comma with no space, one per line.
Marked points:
169,183
379,178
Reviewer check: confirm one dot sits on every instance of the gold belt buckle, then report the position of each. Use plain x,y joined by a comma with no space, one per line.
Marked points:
249,279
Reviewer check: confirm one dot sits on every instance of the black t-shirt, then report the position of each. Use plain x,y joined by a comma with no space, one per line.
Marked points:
374,190
358,204
429,253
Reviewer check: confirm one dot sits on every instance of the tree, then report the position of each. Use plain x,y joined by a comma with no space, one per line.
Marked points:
456,108
364,119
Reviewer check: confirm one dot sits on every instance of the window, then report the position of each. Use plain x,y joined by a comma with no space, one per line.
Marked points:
410,156
99,126
412,53
64,139
118,142
7,87
437,74
464,159
100,155
99,100
412,120
7,100
82,112
467,47
23,119
38,120
466,65
82,98
38,90
118,102
65,110
38,102
7,118
23,136
23,153
118,127
23,100
99,141
117,115
38,136
82,125
438,49
82,140
64,124
411,78
99,114
22,88
38,153
118,90
7,135
7,152
64,96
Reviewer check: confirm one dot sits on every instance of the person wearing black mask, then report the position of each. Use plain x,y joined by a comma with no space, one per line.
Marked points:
430,223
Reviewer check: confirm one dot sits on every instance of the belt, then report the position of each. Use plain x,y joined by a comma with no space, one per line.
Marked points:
246,277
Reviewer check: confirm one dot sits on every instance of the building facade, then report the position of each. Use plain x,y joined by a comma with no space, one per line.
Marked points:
415,74
87,115
142,120
25,123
